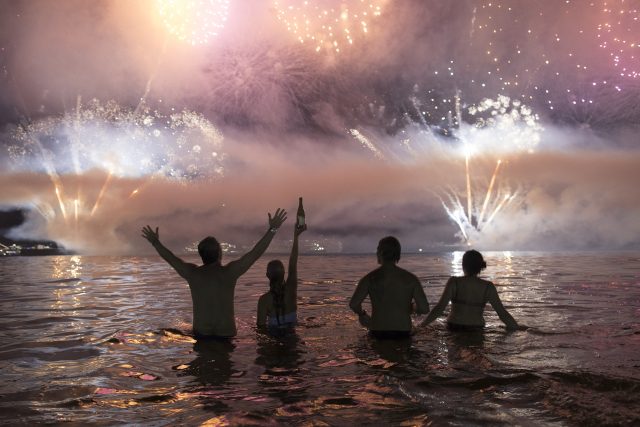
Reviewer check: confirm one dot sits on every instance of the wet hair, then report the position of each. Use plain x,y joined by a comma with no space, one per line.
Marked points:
389,249
210,250
275,273
473,263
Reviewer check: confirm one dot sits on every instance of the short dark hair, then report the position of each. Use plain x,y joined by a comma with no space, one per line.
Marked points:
472,262
209,250
389,249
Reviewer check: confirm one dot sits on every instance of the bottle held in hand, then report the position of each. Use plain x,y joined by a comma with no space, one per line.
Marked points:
300,215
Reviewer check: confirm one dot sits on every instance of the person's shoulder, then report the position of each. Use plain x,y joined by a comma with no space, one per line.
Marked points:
372,274
264,297
406,274
486,282
188,269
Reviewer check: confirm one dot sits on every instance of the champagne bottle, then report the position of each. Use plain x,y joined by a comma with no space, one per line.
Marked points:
300,214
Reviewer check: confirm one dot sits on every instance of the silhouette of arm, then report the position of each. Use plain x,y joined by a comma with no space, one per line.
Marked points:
178,265
441,305
241,265
422,304
261,320
361,292
292,278
503,314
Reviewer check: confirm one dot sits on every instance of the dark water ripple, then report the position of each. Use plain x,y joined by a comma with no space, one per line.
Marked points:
100,340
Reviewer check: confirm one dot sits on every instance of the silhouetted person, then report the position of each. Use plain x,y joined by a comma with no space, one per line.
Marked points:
391,290
277,309
468,296
212,284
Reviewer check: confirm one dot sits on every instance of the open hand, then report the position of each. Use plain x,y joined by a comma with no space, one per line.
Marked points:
278,218
150,235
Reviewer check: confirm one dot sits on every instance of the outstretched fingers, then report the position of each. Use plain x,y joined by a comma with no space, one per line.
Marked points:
278,218
149,234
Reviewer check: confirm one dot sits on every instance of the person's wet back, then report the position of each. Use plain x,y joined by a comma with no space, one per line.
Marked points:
212,284
391,290
468,295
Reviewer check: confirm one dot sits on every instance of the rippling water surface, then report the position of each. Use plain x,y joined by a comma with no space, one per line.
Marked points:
97,340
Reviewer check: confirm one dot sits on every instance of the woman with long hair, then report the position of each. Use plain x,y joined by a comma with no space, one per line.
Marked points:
468,295
277,309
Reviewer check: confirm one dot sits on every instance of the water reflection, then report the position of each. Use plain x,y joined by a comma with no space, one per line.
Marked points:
213,365
282,358
466,349
456,263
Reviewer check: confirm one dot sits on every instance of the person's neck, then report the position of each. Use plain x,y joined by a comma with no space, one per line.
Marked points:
388,264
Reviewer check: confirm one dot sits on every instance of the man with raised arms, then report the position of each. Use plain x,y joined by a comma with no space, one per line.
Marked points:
212,284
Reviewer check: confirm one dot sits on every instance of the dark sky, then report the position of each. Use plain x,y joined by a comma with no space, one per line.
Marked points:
285,110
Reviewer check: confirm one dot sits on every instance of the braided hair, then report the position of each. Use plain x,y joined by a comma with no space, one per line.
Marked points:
275,273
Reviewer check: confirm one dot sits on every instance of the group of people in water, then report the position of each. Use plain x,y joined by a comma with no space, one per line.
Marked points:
395,293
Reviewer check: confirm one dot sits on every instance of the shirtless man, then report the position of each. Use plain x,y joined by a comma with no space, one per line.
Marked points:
391,290
212,284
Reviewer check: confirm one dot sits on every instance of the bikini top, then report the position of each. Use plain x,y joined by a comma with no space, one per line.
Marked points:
456,300
287,321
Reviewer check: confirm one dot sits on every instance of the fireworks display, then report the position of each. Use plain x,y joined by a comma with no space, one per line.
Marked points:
483,89
193,21
118,142
619,34
480,136
252,84
327,25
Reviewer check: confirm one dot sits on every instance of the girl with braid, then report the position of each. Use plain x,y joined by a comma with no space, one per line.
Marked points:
277,309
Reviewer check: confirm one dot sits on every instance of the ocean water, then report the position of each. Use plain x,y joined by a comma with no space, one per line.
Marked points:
97,340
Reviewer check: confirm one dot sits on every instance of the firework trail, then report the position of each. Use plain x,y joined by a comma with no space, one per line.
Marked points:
366,143
501,126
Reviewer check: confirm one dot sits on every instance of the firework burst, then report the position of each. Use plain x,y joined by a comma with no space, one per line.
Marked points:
118,142
330,26
619,35
193,21
263,84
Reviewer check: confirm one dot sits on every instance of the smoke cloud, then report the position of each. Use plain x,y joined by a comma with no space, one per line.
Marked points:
286,110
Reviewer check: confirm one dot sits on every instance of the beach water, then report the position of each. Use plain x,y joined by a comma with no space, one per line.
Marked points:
99,340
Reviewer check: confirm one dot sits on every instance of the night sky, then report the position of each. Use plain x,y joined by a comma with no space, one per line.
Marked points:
135,120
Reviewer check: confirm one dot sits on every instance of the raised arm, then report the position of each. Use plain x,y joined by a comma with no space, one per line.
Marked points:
441,305
241,265
179,265
503,314
292,278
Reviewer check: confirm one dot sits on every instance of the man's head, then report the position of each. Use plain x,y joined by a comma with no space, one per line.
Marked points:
473,263
210,250
388,250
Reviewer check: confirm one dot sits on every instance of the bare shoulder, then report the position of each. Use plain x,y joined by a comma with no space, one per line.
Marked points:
264,298
486,282
187,270
371,276
407,275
